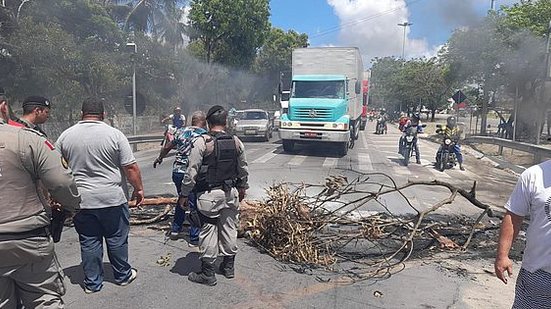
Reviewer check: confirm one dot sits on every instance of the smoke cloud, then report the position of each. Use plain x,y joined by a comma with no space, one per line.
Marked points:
372,26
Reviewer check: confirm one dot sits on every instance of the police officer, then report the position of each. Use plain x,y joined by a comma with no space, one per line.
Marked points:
29,271
218,172
36,111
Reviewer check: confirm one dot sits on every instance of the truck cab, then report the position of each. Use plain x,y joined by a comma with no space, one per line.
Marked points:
324,103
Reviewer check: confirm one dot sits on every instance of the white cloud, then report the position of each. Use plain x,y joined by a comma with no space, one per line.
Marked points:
372,25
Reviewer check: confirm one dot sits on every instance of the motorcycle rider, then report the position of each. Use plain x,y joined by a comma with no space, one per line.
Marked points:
452,131
382,119
402,121
415,122
178,120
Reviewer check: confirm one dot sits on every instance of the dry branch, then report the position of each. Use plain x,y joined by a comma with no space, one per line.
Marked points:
313,230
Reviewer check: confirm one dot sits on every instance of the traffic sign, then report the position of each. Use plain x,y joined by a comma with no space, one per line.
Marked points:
459,97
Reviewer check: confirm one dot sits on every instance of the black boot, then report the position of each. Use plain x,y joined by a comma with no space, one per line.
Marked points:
226,267
206,276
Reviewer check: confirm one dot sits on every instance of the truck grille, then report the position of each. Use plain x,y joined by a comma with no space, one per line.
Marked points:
313,114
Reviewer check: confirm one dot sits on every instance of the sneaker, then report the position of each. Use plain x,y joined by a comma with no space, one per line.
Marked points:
87,290
193,243
174,235
133,276
461,168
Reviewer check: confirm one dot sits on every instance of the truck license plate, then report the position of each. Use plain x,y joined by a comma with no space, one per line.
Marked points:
250,132
310,134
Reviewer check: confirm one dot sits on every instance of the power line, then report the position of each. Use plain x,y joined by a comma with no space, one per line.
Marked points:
361,20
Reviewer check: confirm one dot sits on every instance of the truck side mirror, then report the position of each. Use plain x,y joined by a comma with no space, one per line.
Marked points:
358,87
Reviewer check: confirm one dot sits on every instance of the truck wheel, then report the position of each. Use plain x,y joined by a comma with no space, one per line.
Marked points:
356,129
362,124
288,146
343,149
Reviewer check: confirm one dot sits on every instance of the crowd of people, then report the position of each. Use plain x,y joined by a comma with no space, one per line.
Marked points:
85,173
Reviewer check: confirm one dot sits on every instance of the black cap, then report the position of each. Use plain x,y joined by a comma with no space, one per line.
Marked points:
216,109
37,101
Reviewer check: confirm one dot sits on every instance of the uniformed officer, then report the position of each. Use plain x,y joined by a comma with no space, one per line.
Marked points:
30,274
36,111
218,172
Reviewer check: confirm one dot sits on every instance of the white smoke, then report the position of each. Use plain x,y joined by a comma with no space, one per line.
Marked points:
372,25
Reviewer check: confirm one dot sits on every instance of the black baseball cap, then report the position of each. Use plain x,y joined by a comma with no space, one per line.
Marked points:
216,109
37,101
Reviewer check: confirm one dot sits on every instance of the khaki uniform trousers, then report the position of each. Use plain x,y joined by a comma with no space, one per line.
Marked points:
30,274
221,238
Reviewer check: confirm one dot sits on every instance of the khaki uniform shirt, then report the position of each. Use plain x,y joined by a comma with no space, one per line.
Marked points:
33,126
203,146
26,158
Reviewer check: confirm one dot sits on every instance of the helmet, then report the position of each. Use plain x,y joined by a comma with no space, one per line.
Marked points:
177,109
451,121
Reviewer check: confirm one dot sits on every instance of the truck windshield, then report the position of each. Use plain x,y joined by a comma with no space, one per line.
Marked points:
318,89
254,115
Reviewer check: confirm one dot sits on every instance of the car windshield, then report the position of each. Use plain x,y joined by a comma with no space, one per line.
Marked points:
318,89
285,96
254,115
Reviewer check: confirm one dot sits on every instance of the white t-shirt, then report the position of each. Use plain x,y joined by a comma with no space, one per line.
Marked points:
96,153
532,196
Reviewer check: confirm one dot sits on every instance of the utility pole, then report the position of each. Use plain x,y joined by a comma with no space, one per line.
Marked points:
405,25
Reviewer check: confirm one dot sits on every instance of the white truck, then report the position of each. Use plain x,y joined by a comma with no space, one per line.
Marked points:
326,101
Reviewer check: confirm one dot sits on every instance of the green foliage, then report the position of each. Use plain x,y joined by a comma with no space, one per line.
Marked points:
402,84
530,15
275,54
231,31
69,49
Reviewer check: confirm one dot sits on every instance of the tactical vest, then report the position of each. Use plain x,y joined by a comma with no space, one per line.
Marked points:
219,168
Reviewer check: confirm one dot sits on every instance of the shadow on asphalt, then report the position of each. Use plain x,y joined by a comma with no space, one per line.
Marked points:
76,274
187,264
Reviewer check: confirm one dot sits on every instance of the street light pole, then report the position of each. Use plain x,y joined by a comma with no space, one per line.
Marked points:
405,25
134,118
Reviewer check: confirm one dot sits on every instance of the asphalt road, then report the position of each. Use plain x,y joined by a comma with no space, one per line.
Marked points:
261,282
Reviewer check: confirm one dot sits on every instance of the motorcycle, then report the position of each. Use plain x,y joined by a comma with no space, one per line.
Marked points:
445,157
407,147
170,130
380,127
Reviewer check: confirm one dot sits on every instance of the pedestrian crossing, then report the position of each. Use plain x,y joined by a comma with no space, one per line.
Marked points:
372,153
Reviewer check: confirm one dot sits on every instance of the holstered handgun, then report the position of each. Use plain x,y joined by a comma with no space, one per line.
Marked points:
56,224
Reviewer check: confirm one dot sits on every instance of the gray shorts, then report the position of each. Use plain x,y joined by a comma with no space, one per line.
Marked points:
533,290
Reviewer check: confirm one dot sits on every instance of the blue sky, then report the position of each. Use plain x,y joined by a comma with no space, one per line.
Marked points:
372,24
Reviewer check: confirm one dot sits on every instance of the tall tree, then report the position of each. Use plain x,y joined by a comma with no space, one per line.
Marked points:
229,32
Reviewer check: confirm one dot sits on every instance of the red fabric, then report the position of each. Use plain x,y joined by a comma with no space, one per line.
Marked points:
15,124
50,145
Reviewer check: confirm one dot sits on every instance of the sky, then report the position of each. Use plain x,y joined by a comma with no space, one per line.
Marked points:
372,25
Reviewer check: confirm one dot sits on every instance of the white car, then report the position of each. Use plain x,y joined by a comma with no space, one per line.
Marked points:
254,123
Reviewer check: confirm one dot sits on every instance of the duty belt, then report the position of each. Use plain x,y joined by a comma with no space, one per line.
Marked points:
39,232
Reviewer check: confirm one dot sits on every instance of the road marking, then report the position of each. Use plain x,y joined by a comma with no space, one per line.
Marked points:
364,162
297,160
401,170
330,162
265,158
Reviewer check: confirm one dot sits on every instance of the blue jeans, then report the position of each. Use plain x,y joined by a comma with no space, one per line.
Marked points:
179,213
94,225
458,155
